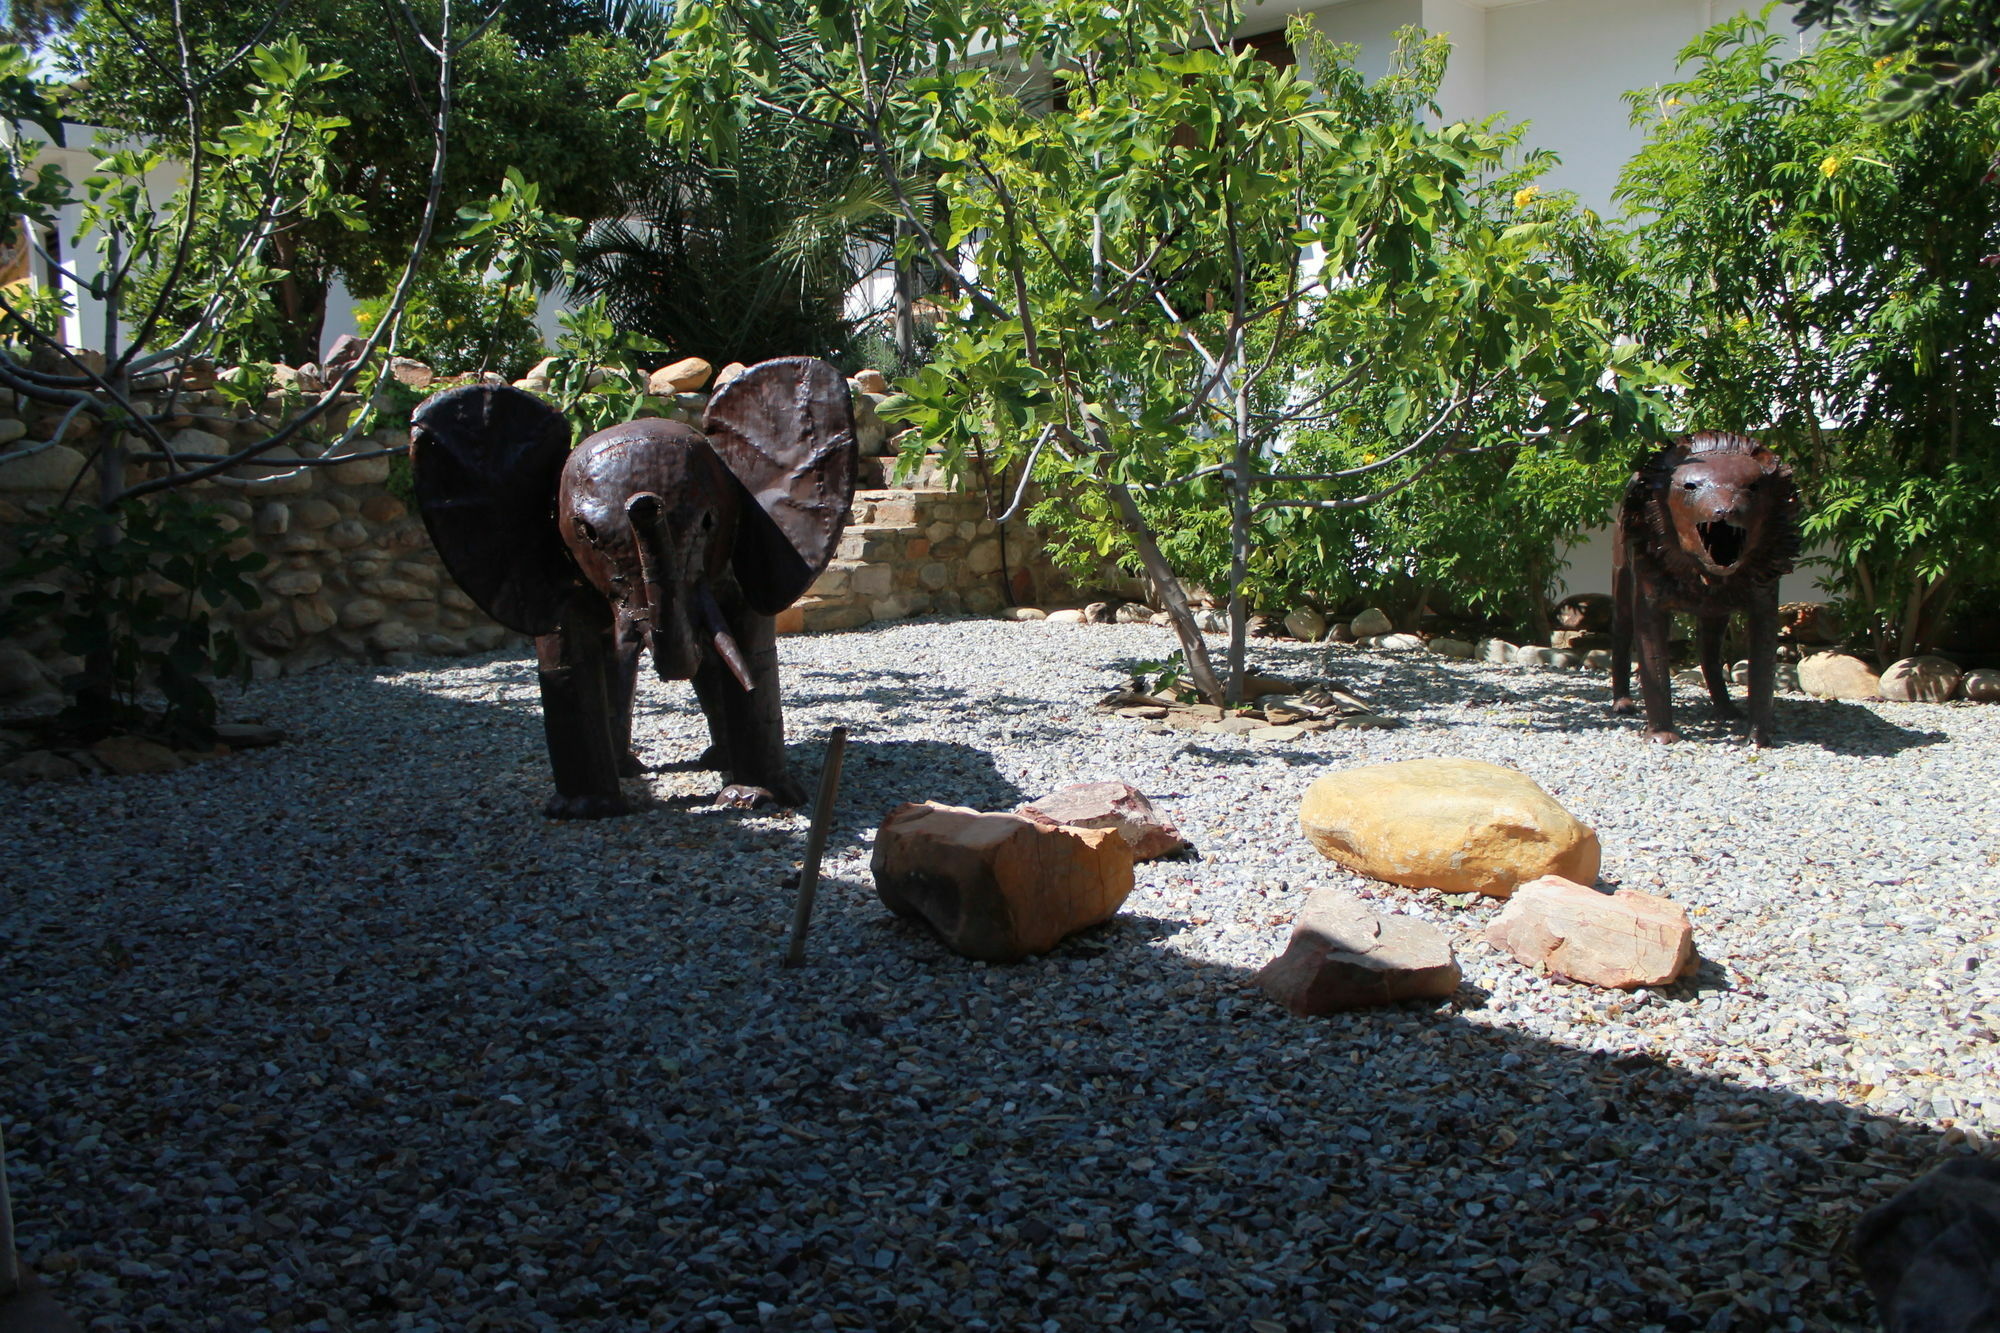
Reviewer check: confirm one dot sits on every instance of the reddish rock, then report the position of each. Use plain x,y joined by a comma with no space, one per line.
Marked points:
1113,805
1624,939
1342,955
998,887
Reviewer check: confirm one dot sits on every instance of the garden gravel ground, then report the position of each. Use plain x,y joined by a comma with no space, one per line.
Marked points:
344,1035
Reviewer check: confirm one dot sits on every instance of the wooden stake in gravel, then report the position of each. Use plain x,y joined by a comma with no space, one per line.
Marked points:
829,783
10,1273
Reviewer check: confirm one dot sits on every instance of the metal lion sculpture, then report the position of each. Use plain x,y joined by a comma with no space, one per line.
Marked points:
1708,526
648,534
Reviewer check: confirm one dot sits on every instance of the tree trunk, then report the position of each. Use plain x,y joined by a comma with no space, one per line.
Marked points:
1239,554
1168,585
301,302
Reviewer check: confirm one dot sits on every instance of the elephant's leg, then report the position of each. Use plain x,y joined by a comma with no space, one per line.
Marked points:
621,687
1763,665
573,667
749,725
1623,608
1713,670
1656,686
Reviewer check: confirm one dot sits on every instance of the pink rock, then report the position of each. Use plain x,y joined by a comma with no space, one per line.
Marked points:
1117,805
1342,955
1624,939
998,886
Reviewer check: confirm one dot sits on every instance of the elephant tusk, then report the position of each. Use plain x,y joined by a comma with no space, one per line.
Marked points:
725,644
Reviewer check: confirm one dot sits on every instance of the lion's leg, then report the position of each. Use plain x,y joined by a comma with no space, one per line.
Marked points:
1713,669
1763,664
1656,685
1623,594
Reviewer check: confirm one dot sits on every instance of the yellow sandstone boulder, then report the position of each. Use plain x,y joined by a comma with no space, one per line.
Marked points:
1460,825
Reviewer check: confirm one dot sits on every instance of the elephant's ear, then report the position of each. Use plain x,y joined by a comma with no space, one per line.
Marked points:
785,428
487,460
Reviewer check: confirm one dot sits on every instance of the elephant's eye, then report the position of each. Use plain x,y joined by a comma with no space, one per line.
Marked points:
587,532
1690,485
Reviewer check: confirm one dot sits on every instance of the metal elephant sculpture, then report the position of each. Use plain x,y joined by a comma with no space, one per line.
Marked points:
648,534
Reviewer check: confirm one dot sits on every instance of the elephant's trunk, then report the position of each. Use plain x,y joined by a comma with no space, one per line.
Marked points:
677,645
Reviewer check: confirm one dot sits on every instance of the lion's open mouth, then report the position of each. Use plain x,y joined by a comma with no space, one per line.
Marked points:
1723,542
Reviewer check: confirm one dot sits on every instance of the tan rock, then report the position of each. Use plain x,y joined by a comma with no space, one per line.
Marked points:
1450,647
131,755
53,469
39,766
1113,805
1307,624
998,887
1371,622
1460,825
1342,955
315,514
292,583
1067,616
1924,680
313,615
686,375
383,509
871,381
1982,685
1838,676
411,373
728,373
1624,939
1024,613
362,612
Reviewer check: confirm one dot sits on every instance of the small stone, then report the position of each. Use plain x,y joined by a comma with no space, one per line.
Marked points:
871,381
411,373
1067,616
1232,726
1461,825
1598,659
1144,712
40,766
728,373
130,756
1372,622
1532,655
686,375
1274,733
1344,956
248,735
1497,651
292,583
362,612
1982,685
383,509
1307,624
1211,620
21,672
1925,679
1450,647
1132,613
998,887
1623,940
1838,676
53,469
1366,722
1117,805
1024,613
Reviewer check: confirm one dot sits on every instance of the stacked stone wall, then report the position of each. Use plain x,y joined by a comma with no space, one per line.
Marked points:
350,572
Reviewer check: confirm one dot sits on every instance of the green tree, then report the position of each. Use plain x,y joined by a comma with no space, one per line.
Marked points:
1154,237
175,278
1826,277
741,260
1952,46
544,107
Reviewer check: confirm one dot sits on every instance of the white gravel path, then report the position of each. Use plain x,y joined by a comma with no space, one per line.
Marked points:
343,1035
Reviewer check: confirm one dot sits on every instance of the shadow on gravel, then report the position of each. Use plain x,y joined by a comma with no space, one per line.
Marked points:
475,1070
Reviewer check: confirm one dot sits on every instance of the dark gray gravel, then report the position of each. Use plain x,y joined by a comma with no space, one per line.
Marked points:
343,1035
